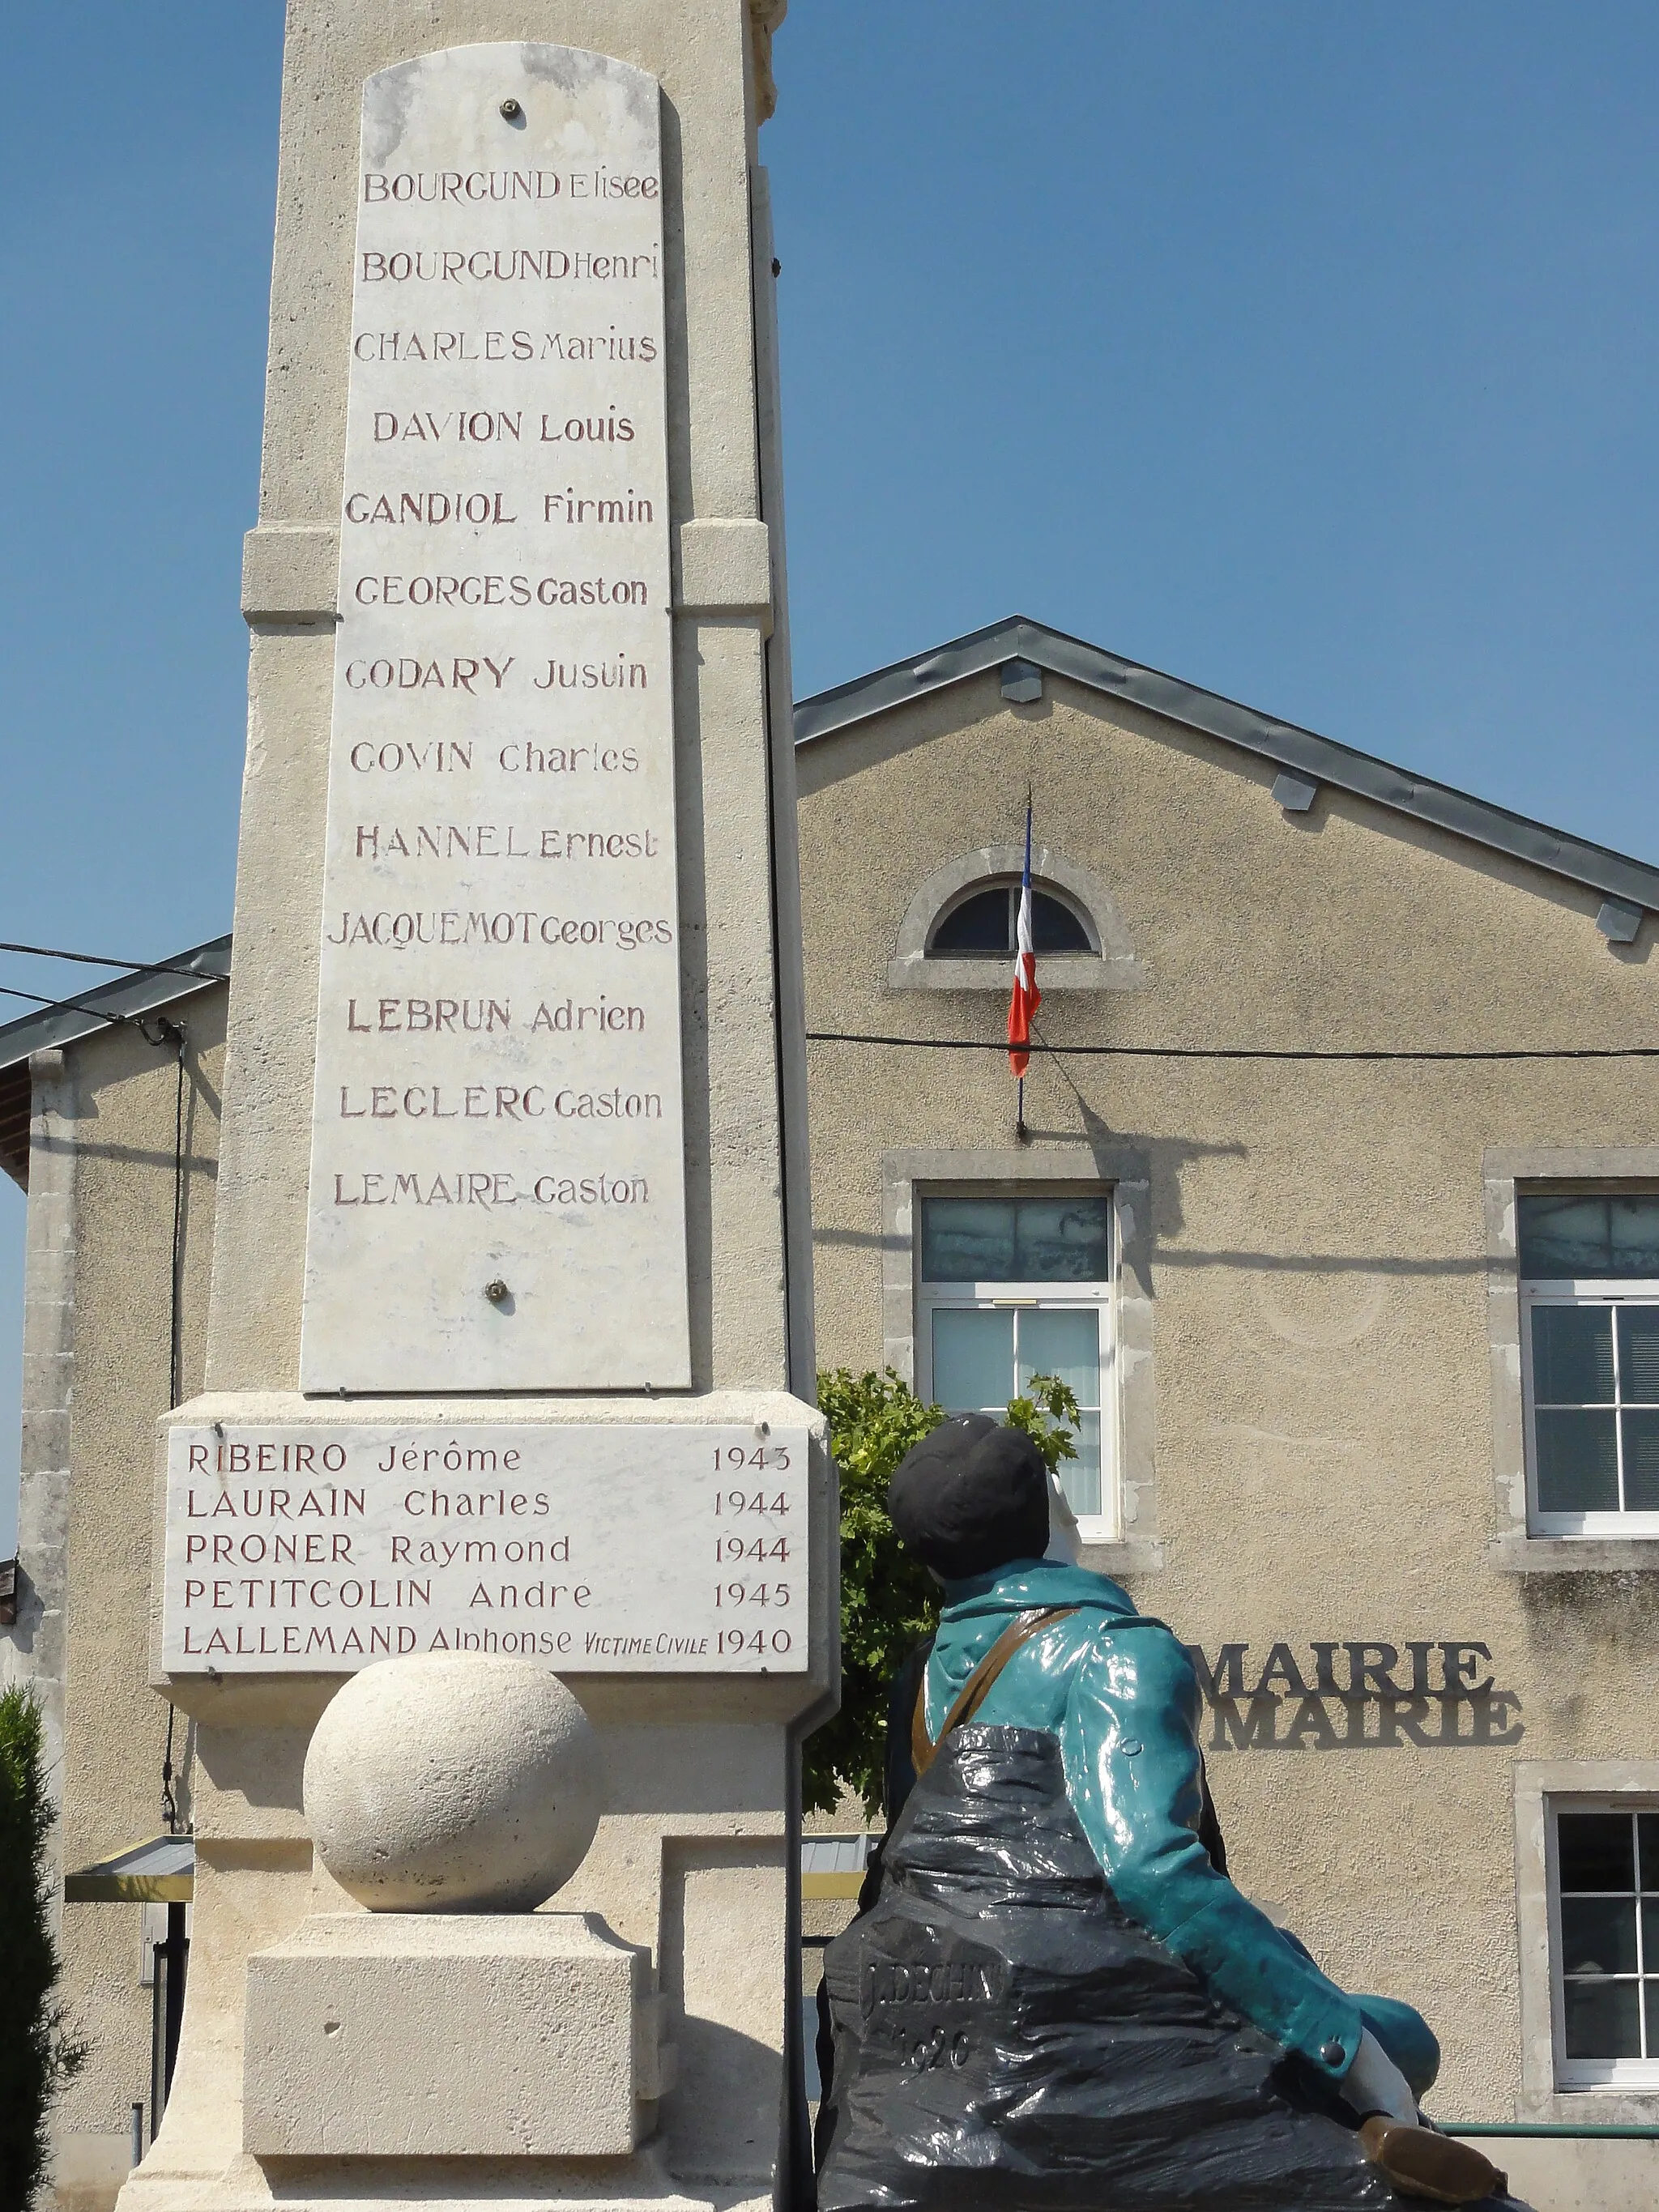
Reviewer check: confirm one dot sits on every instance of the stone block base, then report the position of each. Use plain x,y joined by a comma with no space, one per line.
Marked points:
394,2035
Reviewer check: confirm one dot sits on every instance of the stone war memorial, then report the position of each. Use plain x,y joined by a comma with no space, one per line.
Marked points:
510,1375
497,1560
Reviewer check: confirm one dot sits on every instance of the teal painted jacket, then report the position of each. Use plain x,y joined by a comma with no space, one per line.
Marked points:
1120,1695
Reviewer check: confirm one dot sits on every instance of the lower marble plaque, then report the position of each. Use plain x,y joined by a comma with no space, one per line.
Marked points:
610,1549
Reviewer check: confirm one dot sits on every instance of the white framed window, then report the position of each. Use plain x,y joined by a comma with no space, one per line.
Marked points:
956,933
1013,1286
1604,1942
1589,1347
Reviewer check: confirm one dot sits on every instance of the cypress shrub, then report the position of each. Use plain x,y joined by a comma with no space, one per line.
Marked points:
37,2052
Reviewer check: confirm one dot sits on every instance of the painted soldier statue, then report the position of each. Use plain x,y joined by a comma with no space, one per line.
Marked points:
1053,1998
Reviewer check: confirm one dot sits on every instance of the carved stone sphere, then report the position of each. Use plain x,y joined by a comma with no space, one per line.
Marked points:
453,1782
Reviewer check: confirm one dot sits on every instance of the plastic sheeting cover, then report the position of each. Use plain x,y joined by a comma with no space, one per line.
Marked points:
1006,2040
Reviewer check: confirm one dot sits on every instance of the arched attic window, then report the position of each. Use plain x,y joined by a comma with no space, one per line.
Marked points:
981,922
958,932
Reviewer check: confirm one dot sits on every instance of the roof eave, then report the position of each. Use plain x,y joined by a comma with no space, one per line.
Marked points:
1288,746
133,996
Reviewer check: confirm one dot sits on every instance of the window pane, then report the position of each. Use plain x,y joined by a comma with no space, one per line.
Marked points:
1639,1355
979,924
1572,1355
1064,1344
1062,1240
1564,1233
1055,928
1641,1461
1080,1478
968,1240
1578,1462
1004,1240
973,1357
1602,2020
1585,1233
1596,1850
1598,1935
1649,1824
1634,1218
1651,1991
1650,1941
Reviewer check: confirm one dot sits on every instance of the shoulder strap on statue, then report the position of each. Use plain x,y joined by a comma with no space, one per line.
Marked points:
977,1687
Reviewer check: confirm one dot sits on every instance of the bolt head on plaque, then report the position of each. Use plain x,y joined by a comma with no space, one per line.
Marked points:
453,1782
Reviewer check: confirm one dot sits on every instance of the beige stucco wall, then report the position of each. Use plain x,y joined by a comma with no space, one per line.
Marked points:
1321,1416
1318,1281
114,1727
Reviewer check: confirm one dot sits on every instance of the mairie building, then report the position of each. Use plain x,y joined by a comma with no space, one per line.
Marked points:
1333,1197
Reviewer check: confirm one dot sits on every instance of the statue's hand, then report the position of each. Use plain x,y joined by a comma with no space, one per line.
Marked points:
1375,2084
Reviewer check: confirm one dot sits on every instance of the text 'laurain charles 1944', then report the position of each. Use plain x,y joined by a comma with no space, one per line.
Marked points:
591,1548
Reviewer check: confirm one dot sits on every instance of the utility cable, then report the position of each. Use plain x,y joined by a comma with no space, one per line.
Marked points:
70,1005
174,1033
1241,1052
169,1802
98,960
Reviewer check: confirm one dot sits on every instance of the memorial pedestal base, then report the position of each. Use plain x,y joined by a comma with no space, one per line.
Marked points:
484,2184
413,2035
686,1884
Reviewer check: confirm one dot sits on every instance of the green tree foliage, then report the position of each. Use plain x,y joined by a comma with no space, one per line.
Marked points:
37,2054
888,1602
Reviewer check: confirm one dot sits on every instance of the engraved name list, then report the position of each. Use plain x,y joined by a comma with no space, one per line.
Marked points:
497,1167
626,1547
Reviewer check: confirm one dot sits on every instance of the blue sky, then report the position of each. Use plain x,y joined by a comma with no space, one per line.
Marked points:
1308,352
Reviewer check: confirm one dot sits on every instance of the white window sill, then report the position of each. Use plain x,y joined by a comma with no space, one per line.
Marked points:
1518,1554
1056,971
1591,2108
1130,1556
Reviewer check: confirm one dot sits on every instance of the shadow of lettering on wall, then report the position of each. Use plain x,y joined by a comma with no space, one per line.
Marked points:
1433,1695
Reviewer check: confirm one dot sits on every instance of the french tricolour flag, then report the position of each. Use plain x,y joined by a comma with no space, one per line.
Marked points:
1027,997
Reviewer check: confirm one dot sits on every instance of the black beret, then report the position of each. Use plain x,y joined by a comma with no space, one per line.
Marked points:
970,1495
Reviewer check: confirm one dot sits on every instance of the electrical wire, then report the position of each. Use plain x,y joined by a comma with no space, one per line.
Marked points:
98,960
169,1802
78,1005
70,1005
173,1032
1243,1052
952,1044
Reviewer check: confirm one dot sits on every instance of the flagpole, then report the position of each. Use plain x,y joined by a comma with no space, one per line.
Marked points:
1024,983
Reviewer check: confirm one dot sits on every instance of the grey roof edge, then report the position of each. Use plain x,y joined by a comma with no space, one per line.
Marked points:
133,996
1283,743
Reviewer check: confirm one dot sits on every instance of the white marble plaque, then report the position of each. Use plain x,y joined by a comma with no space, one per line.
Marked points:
497,1177
614,1549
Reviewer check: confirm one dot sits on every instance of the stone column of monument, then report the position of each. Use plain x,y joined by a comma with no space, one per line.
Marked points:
510,1345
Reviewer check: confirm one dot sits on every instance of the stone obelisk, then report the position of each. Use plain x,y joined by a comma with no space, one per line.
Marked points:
510,1346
